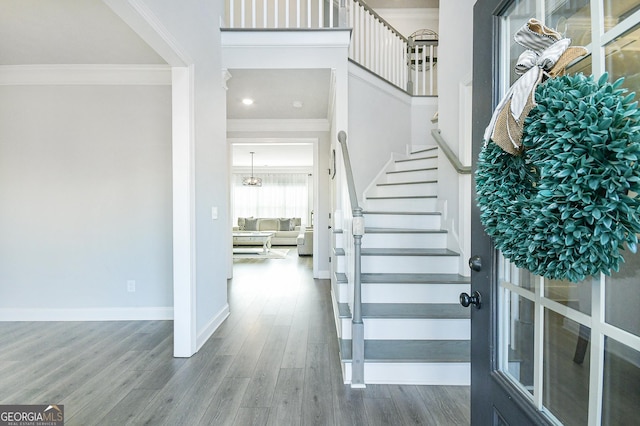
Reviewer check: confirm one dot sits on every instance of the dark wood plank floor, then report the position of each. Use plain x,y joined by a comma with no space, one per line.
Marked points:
273,362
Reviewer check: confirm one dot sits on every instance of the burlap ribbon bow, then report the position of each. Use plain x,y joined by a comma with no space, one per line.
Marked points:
547,55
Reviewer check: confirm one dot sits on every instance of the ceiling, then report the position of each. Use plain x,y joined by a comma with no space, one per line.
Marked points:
274,92
68,32
88,32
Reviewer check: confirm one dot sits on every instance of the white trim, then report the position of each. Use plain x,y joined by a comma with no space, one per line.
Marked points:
146,24
377,83
213,325
184,248
88,314
283,125
286,38
153,75
324,275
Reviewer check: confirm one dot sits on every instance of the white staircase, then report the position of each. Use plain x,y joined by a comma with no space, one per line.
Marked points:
415,330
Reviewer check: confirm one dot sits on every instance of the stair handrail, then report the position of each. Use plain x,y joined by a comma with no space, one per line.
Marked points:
381,19
357,230
451,156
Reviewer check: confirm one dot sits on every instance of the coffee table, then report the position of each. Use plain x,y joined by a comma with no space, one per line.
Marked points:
253,238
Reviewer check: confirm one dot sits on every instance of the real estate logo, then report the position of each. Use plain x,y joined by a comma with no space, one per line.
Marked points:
31,415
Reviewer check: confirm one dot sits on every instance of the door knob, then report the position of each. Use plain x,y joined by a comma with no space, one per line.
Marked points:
474,299
475,263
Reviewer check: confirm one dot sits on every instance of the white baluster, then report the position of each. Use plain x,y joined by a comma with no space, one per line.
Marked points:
276,12
424,71
330,13
298,13
320,15
230,3
242,12
308,13
286,14
253,13
265,13
431,67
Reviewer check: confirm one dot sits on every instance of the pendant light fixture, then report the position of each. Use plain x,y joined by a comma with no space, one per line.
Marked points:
252,181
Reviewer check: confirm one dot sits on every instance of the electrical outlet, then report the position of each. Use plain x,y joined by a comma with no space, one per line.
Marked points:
131,286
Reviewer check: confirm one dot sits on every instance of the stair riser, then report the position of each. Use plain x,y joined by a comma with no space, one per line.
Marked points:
416,329
339,240
402,205
340,263
412,176
427,221
444,373
342,290
414,189
424,163
412,293
405,240
409,264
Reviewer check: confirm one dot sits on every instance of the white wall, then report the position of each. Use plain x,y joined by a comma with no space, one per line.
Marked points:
193,28
379,124
406,20
85,189
454,78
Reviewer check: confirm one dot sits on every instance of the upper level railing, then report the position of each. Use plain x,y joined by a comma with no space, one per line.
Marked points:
408,63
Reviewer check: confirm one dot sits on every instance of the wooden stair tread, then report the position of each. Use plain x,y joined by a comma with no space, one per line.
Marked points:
407,252
415,310
426,169
420,151
404,213
403,197
380,278
430,157
408,311
411,351
403,231
417,182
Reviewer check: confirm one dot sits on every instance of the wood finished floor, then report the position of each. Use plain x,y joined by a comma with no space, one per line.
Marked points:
273,362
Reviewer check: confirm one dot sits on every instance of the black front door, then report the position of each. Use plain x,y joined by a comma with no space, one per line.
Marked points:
495,400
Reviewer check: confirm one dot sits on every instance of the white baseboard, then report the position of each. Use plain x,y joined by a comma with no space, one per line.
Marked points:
210,328
324,275
88,314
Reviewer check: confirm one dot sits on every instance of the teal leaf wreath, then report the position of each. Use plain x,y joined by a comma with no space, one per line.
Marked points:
568,204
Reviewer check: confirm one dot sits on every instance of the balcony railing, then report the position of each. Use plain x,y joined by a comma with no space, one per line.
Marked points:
407,63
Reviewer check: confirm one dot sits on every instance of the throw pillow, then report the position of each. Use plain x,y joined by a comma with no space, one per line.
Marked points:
250,224
284,224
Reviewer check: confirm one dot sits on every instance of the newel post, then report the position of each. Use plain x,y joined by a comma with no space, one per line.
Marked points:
357,326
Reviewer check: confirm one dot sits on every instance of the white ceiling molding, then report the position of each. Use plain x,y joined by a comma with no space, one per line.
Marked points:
282,125
144,22
140,75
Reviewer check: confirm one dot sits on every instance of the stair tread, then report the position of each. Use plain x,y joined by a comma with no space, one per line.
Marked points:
411,351
341,277
403,231
407,252
415,310
381,278
416,182
404,213
338,251
431,157
426,169
402,197
420,151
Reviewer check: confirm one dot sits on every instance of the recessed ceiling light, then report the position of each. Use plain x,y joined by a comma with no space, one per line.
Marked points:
247,101
297,104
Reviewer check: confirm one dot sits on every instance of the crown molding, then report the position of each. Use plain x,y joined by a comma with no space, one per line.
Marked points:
278,125
101,74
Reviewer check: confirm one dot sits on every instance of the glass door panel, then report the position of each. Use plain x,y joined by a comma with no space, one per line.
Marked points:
566,369
621,390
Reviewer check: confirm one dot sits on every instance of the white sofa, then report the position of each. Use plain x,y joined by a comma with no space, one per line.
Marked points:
305,242
286,229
